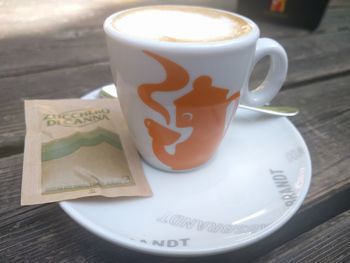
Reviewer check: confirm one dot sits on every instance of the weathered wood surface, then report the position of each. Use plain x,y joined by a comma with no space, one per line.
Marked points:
80,57
46,234
328,242
324,122
328,195
63,33
40,43
50,58
312,58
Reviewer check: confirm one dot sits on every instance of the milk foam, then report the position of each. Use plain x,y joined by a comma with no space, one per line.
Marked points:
181,24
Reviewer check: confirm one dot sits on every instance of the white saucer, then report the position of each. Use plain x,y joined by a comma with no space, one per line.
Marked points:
253,186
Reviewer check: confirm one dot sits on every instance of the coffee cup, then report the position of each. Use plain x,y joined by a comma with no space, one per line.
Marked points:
180,73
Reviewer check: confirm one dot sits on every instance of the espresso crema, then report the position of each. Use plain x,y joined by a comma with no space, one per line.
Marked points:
181,24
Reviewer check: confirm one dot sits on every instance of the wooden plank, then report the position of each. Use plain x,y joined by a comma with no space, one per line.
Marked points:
311,59
68,35
47,234
36,42
329,242
37,232
336,19
10,186
44,232
323,121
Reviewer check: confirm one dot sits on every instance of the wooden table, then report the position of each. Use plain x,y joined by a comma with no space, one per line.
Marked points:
57,50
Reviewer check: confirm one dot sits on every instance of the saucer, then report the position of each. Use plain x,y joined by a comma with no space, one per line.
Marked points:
254,185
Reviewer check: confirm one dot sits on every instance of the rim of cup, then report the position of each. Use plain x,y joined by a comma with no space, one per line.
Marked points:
243,40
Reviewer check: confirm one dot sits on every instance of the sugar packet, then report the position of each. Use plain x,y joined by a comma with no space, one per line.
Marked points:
76,148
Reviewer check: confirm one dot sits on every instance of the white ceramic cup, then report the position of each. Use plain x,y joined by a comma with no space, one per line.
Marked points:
178,98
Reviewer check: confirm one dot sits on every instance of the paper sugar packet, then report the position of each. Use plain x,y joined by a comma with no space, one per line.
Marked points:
76,148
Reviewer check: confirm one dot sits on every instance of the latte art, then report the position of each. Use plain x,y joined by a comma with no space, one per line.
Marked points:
181,24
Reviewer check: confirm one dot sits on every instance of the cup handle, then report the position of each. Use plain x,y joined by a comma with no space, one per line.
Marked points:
276,75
